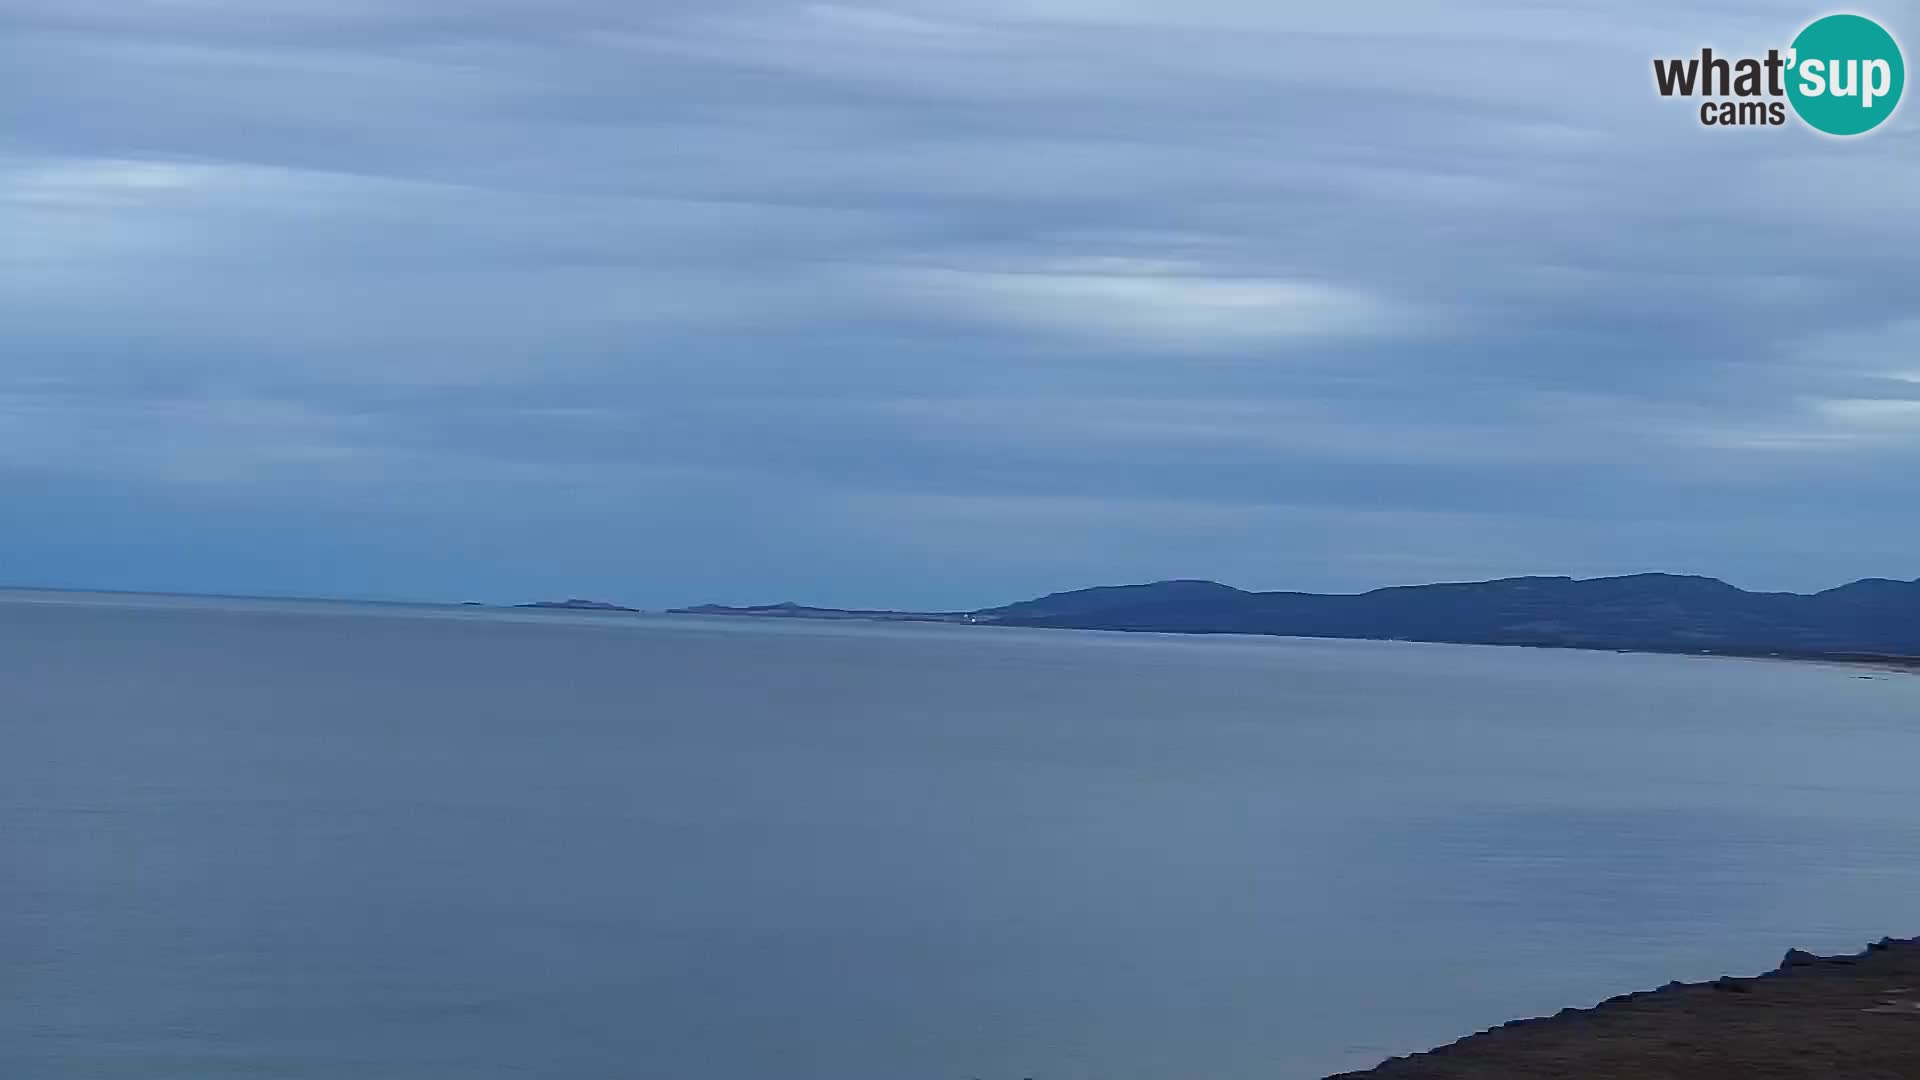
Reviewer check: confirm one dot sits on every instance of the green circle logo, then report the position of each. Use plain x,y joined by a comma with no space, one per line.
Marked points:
1846,75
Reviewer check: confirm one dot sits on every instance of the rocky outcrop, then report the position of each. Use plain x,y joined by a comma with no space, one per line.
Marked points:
1812,1018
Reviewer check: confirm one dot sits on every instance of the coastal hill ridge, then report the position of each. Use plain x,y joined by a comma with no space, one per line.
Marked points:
1866,619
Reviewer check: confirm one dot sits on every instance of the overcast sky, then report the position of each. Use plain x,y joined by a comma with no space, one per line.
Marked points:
933,304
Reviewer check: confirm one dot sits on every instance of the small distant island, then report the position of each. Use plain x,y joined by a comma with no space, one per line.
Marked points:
1872,621
791,610
577,605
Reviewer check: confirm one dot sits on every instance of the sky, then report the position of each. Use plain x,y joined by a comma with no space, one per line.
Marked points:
935,305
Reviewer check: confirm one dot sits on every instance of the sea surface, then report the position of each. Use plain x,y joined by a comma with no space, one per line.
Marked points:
312,841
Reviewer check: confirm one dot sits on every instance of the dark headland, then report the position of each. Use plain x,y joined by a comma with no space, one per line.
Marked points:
1832,1018
1874,620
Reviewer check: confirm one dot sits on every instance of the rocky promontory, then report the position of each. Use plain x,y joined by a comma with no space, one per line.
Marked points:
1812,1018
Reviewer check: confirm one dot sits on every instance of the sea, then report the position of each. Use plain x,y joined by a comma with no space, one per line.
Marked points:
288,840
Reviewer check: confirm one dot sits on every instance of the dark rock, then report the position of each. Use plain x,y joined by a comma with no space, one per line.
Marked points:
1839,1020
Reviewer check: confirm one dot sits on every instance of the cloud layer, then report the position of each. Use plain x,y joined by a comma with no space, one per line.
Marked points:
933,304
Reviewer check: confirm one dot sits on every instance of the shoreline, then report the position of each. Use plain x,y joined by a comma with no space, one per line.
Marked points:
1855,1016
1901,665
1885,662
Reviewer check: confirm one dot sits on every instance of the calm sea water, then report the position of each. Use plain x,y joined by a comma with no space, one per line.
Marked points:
281,840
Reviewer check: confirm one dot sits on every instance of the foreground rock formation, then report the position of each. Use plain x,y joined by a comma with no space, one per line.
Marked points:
1833,1018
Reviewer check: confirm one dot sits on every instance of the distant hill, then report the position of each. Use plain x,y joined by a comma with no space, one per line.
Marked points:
1640,611
1875,617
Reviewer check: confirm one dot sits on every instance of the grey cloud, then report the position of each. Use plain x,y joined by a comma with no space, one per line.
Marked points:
1252,265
